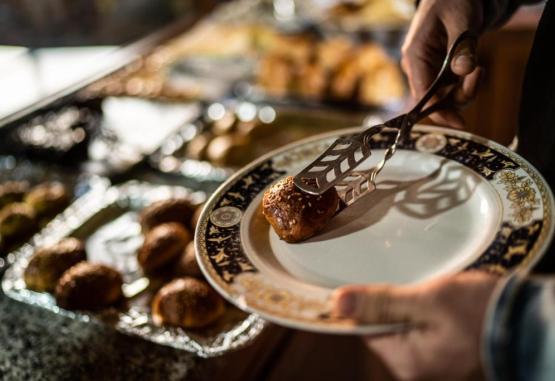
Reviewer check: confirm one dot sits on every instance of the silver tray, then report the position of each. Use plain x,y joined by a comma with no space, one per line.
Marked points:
170,157
17,169
88,218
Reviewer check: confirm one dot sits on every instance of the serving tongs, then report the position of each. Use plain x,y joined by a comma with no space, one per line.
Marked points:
336,166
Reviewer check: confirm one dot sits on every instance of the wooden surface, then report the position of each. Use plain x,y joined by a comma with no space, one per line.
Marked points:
284,354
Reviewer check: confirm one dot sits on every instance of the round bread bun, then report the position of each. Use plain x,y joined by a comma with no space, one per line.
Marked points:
179,210
294,214
187,303
187,264
17,221
89,286
162,246
48,263
48,199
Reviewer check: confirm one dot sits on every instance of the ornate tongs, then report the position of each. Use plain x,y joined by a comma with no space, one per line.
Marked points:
335,167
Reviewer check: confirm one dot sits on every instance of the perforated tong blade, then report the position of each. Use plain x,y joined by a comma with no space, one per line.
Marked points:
336,166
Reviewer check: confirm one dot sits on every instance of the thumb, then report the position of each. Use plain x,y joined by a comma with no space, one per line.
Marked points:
377,304
465,59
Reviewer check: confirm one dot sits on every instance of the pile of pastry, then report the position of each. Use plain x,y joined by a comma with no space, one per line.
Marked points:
167,258
333,69
25,209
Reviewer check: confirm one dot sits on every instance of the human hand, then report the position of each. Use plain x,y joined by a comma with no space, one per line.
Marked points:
445,318
434,28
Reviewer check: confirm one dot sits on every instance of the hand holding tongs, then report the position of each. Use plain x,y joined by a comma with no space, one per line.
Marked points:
335,166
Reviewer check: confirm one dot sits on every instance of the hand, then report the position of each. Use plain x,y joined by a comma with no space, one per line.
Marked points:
445,317
435,26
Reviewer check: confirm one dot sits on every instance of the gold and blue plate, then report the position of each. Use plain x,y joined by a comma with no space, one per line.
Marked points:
448,201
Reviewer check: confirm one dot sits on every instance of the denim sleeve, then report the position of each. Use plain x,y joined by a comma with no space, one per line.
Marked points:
519,333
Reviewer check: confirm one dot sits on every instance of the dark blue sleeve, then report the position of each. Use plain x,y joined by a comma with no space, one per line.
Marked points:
519,333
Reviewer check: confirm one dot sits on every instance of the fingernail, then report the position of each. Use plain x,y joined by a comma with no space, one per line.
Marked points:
347,304
464,61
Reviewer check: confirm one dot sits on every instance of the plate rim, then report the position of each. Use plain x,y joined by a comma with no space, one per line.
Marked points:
357,329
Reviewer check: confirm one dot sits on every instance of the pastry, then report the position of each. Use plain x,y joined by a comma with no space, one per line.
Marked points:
196,148
12,191
179,210
48,263
275,75
17,221
163,245
187,264
229,150
48,199
89,286
294,214
187,303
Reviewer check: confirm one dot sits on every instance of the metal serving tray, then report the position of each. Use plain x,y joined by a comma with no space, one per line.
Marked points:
106,219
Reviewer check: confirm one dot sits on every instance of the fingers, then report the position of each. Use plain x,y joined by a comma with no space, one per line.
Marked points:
465,60
378,304
448,118
470,84
464,94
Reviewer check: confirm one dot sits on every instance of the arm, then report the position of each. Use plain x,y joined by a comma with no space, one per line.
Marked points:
462,327
436,24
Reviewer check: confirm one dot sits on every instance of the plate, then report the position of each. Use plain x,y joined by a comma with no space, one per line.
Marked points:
107,221
446,202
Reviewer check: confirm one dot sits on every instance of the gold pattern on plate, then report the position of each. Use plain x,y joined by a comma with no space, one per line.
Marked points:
519,248
220,256
226,216
283,303
483,155
248,181
431,143
486,171
219,239
521,194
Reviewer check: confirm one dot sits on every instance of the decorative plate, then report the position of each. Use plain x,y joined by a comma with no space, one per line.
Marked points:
107,221
446,202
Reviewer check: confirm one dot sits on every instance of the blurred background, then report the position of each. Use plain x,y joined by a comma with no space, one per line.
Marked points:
185,92
48,45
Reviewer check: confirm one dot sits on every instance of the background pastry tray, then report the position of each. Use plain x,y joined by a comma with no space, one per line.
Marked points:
118,206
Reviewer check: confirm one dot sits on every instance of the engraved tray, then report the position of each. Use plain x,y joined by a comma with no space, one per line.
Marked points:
106,219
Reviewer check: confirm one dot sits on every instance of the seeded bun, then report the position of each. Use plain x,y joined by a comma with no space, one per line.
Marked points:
187,264
294,214
89,286
48,263
187,303
177,210
162,246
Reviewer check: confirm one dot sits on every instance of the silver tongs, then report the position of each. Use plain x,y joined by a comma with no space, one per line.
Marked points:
335,167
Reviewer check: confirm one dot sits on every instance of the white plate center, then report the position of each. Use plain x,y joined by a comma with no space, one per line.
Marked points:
429,216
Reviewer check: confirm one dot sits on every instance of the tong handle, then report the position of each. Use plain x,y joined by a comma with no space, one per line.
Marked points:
445,78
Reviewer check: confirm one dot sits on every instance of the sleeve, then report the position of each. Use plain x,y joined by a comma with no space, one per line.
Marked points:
519,332
497,12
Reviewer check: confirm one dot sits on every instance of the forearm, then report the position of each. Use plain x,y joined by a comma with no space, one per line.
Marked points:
519,336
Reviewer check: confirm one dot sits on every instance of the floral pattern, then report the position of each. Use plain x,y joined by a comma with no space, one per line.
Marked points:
521,194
